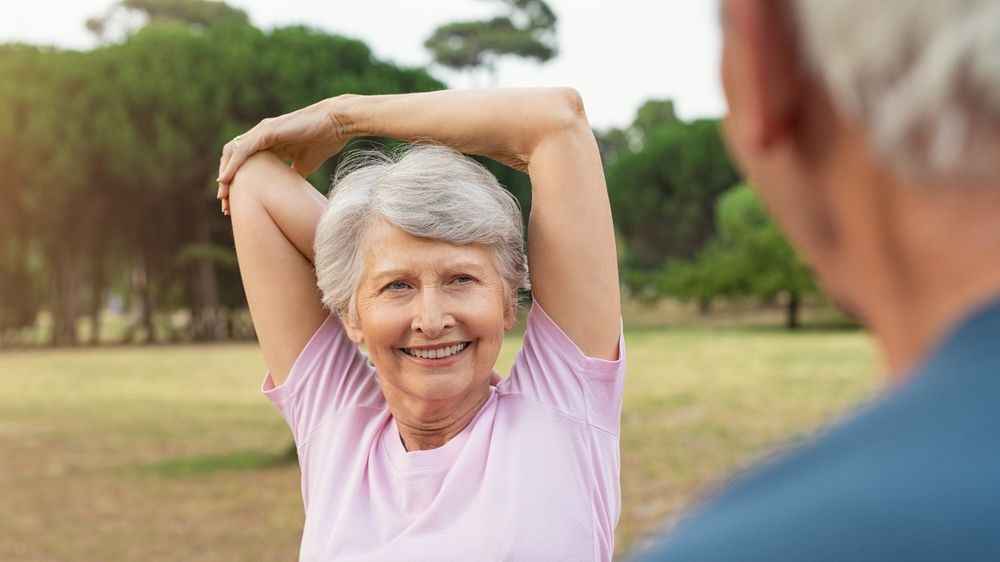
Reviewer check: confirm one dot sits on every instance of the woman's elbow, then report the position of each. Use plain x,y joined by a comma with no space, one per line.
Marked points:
573,102
251,179
565,121
568,110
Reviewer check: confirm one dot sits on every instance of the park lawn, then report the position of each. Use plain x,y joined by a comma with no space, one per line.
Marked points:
171,453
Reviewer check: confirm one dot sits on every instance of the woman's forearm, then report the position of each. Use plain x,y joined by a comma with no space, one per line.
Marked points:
504,124
287,200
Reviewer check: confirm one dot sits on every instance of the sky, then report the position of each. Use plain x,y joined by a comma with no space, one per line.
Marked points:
617,54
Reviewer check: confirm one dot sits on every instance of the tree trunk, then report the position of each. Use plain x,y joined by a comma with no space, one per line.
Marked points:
141,305
704,306
134,298
97,292
792,311
207,322
148,311
66,303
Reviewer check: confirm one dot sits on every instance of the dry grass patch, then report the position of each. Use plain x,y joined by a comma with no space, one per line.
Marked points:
169,453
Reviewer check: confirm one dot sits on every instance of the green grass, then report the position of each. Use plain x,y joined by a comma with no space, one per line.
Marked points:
172,453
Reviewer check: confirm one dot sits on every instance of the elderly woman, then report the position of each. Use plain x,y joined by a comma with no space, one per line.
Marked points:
421,451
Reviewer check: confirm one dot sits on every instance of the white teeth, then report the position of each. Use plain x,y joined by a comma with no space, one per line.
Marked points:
439,353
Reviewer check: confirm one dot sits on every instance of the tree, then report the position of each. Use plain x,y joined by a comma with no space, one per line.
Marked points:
109,158
527,30
21,293
651,116
46,177
749,259
185,93
126,17
663,194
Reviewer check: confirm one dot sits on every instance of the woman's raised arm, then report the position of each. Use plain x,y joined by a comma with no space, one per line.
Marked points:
571,245
275,213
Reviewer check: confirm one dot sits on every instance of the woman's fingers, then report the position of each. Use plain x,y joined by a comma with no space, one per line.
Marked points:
223,194
287,136
234,154
262,136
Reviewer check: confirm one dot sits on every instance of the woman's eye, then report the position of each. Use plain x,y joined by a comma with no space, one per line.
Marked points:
462,279
397,286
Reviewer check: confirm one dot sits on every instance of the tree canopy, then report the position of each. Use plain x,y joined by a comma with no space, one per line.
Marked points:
750,258
526,30
110,157
663,193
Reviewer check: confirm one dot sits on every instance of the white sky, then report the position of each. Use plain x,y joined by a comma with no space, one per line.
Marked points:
618,54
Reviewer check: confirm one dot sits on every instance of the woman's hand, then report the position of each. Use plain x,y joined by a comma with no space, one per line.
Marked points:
308,137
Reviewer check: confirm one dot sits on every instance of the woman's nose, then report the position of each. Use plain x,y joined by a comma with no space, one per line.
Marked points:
430,316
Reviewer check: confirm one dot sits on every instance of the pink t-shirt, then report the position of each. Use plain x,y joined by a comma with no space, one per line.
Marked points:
534,476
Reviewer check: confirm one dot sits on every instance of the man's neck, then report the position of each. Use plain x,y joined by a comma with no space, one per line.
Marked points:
937,259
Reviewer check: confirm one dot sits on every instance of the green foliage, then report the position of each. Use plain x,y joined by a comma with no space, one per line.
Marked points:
20,295
614,142
652,116
218,254
749,259
515,181
526,31
202,465
109,155
126,17
663,194
190,12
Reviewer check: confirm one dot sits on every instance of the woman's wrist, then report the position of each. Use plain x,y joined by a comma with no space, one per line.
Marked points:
344,114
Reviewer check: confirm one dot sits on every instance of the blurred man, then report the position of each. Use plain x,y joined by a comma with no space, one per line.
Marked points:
872,131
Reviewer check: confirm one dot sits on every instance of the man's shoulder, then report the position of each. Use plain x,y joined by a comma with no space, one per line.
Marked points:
912,477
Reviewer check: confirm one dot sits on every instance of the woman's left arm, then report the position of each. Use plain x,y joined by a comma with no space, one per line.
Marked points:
571,242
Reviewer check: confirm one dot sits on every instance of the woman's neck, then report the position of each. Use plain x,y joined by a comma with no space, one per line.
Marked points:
429,426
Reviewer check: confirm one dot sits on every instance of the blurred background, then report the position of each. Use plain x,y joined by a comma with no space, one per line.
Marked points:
132,426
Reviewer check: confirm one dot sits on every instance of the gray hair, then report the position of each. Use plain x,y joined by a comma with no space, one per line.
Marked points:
428,191
922,75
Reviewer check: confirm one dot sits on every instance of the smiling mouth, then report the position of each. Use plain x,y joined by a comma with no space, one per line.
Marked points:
436,353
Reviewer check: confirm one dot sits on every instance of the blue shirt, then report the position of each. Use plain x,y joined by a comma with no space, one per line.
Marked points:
914,477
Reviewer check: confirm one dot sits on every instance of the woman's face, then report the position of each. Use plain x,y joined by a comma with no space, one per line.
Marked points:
432,315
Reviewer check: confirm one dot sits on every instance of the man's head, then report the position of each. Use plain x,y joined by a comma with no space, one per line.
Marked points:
858,122
922,76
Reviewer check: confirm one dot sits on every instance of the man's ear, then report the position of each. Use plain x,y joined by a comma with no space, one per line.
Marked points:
762,74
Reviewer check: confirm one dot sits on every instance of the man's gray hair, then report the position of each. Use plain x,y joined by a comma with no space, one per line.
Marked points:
428,191
922,75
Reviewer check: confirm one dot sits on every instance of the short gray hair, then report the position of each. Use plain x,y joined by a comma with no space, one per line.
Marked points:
922,75
428,191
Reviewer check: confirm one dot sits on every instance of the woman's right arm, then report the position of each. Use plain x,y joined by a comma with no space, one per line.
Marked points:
274,214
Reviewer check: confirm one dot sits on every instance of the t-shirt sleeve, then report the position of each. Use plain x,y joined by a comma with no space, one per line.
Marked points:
329,375
551,370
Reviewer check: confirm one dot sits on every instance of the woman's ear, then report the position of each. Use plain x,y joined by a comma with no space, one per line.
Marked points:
353,328
510,317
